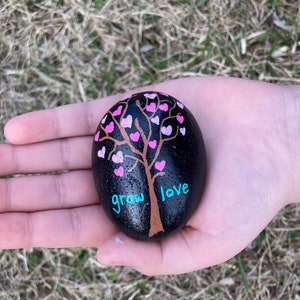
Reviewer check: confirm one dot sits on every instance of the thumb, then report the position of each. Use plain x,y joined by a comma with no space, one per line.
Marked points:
186,251
121,250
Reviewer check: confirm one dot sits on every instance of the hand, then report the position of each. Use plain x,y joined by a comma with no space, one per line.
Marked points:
251,176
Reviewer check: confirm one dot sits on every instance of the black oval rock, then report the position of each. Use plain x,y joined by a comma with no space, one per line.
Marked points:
149,165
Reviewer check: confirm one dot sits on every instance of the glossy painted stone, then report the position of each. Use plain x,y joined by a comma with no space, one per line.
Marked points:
149,165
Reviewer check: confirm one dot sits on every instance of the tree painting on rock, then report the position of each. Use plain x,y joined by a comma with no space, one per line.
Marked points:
144,130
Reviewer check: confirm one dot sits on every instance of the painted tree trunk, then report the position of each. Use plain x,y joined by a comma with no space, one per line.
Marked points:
156,225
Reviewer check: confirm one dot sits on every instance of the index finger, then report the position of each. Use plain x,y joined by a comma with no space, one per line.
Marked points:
65,121
73,119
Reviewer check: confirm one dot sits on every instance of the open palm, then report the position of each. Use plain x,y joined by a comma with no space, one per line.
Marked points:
250,177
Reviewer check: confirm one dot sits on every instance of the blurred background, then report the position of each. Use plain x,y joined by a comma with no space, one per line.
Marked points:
65,51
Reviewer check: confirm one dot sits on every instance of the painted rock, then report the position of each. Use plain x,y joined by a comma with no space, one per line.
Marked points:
149,165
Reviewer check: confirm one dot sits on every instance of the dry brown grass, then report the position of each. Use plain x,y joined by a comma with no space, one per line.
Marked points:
64,51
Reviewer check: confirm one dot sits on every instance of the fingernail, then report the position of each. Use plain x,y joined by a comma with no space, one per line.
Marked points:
119,240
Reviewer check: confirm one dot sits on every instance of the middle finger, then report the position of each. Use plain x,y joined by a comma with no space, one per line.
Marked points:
61,154
47,192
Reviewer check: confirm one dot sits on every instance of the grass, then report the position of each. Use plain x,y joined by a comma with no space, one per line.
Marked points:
58,52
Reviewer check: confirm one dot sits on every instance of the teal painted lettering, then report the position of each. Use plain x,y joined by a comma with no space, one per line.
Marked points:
170,193
115,201
162,194
130,199
139,198
177,190
185,188
121,199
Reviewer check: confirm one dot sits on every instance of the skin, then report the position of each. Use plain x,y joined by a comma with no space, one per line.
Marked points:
252,136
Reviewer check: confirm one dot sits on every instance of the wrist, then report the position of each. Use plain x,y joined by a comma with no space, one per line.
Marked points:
292,115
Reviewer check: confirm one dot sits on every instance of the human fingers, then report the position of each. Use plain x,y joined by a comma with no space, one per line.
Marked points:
38,193
187,251
78,227
82,118
59,122
61,154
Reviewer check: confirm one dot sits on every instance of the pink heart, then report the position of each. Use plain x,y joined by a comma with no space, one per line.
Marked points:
160,165
127,122
118,157
135,136
152,144
151,107
164,107
180,104
180,119
118,111
101,153
182,130
119,172
166,130
164,94
150,95
155,120
110,127
97,135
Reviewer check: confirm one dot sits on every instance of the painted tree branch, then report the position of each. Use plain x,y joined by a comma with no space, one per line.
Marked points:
136,162
157,175
138,103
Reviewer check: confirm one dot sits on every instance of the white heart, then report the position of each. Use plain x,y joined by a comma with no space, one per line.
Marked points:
101,153
155,120
104,119
180,104
127,122
118,157
166,130
150,95
182,130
